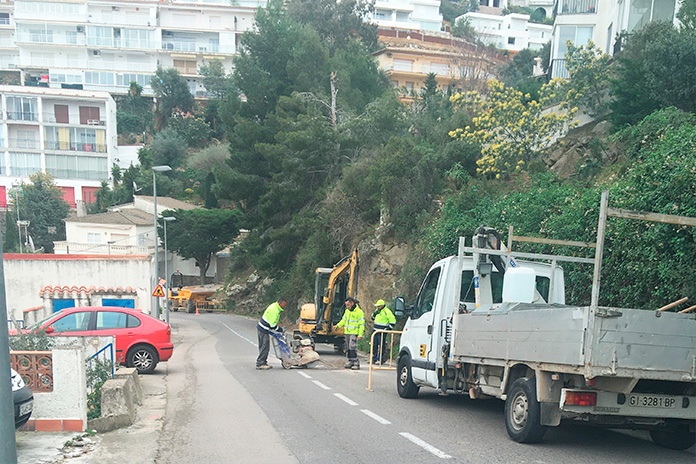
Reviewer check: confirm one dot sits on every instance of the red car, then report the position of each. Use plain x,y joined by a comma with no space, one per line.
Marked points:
141,340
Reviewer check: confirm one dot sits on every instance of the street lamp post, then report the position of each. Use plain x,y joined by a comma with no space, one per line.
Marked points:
110,242
156,169
166,271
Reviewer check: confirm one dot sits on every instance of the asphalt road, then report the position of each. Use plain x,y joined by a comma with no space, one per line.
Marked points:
221,409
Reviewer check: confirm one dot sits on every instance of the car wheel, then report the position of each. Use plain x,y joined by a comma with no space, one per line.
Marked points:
143,358
404,380
676,437
523,412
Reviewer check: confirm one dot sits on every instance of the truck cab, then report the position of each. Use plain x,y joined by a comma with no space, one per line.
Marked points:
428,327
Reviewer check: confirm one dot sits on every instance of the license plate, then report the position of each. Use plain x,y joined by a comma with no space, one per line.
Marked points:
26,408
653,401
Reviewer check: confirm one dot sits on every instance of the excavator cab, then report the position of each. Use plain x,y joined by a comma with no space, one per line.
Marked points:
331,288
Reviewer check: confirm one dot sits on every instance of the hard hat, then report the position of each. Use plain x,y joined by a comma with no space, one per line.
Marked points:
380,303
305,342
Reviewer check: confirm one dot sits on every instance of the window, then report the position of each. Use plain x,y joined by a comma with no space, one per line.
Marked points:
511,41
93,237
185,66
441,69
24,164
403,65
27,139
115,320
77,167
89,115
578,35
99,78
409,86
467,293
426,296
62,114
22,108
5,18
75,322
642,12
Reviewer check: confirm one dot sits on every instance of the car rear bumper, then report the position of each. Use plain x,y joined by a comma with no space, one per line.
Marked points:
165,352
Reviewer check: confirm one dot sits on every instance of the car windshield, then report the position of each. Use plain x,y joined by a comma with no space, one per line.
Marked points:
42,321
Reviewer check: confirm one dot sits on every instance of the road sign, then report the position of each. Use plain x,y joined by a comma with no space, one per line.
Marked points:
159,292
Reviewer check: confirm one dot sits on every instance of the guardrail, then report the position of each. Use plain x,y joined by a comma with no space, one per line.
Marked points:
389,363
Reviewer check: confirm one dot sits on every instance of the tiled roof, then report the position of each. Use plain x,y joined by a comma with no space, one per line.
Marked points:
124,216
168,203
92,290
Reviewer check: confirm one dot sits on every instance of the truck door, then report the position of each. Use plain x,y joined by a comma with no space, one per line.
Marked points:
422,323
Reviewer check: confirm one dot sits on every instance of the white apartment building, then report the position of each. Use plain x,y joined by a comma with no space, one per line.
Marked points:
70,134
601,21
104,45
511,32
408,14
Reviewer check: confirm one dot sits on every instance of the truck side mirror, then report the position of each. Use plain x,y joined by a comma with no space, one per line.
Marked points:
400,307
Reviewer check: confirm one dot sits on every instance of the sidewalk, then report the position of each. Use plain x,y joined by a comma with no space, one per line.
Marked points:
136,444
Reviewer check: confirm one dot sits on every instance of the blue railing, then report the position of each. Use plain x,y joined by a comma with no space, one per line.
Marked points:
106,357
14,323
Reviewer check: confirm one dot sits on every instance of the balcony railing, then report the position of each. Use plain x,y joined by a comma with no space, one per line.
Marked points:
24,144
558,69
51,118
4,21
120,42
75,146
58,39
180,46
22,115
578,6
66,248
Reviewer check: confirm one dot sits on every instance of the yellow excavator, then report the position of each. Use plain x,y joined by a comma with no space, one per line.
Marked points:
331,288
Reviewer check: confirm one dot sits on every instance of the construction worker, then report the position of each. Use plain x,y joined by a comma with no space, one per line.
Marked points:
354,322
384,320
267,323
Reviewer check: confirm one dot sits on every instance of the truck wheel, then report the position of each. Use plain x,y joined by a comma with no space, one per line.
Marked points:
404,381
191,307
676,437
522,412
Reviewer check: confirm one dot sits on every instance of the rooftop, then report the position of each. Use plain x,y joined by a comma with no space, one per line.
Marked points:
50,92
127,216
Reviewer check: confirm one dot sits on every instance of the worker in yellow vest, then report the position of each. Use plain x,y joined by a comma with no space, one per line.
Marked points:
268,323
384,320
354,322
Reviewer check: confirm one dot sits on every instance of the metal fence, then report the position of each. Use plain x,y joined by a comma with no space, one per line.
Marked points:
388,365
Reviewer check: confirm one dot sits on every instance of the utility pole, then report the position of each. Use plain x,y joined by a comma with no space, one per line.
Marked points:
8,451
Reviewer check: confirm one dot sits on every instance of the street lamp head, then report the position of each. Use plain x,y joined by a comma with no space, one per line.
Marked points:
168,218
162,168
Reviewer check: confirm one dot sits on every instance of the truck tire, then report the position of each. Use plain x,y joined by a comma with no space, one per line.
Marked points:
523,412
676,437
191,307
404,380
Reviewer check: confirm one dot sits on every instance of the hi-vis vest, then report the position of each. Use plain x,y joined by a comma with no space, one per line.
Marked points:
354,321
270,318
384,319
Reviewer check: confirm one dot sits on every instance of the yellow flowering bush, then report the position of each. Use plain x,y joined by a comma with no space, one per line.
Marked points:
511,129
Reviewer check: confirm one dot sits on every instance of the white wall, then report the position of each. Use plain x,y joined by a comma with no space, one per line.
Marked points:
26,274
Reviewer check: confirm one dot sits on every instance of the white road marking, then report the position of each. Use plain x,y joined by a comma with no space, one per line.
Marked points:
238,334
321,385
425,446
306,376
346,399
371,414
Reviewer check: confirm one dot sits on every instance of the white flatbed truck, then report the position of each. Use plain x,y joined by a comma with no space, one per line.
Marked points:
488,326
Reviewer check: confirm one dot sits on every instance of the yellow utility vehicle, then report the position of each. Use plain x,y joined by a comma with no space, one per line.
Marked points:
195,298
332,287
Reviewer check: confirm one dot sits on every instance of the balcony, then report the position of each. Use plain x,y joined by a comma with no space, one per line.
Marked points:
558,69
21,116
51,118
75,146
24,144
120,42
577,6
48,37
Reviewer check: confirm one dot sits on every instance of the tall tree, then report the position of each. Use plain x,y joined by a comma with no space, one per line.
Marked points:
172,92
200,233
41,203
654,70
337,22
169,148
216,80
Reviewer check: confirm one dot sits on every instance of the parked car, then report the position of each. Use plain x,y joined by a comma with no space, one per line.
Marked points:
23,399
142,341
